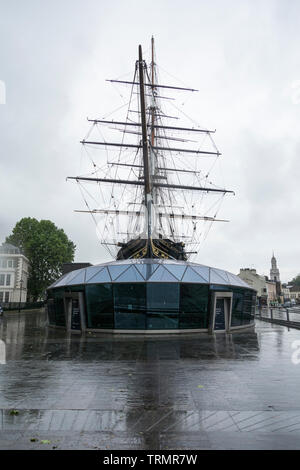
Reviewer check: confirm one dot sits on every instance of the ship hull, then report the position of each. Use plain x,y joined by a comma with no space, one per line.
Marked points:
154,248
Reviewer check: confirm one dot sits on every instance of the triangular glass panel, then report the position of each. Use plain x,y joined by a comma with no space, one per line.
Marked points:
176,270
191,276
148,269
223,274
79,279
203,271
232,279
162,274
117,269
102,276
216,278
64,280
91,271
236,281
131,275
142,269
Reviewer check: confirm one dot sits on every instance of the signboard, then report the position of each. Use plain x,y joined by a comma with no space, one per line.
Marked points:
75,315
220,315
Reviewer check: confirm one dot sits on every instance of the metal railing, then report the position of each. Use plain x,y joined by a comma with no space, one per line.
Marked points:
288,316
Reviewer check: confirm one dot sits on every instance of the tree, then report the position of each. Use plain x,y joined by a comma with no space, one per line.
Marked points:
295,281
47,248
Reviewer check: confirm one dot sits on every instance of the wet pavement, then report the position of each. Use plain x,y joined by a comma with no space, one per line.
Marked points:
238,391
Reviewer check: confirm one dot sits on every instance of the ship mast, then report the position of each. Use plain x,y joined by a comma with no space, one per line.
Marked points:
146,160
153,104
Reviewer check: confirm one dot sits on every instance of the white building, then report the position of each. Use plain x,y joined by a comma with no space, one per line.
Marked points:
271,290
14,268
255,281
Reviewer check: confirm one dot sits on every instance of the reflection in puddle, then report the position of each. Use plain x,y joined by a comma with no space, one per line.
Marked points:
2,352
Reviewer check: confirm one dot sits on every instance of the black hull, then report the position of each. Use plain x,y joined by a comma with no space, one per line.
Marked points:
155,248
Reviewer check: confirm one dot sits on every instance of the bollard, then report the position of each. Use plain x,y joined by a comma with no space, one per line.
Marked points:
271,314
287,315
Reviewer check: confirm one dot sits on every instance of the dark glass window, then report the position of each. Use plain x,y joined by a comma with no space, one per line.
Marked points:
2,279
237,307
56,308
162,306
248,307
99,304
130,306
193,306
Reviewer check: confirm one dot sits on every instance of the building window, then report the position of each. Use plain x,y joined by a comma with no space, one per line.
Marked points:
6,297
4,263
8,276
2,279
1,296
10,263
15,263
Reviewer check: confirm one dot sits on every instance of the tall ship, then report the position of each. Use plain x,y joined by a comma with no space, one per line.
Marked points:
149,190
153,197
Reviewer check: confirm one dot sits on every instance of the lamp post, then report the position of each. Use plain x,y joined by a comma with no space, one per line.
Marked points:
21,286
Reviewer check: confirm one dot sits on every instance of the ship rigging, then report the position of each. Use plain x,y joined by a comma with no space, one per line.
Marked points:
153,188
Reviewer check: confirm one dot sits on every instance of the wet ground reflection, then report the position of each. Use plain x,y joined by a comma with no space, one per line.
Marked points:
183,391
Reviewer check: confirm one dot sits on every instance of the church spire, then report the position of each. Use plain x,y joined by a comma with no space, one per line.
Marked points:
274,271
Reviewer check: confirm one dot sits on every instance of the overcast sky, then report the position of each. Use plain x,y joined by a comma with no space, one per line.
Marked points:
242,55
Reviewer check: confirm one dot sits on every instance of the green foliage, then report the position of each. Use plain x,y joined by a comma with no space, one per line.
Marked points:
46,247
295,281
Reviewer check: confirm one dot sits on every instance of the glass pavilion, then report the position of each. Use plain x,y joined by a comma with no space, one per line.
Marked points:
150,296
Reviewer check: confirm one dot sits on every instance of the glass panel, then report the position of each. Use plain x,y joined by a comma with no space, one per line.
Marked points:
91,271
79,279
162,306
2,279
217,278
66,278
234,280
191,276
99,304
115,271
142,269
149,269
101,276
237,308
222,273
248,307
56,308
203,271
177,271
131,275
162,274
240,282
130,306
193,306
